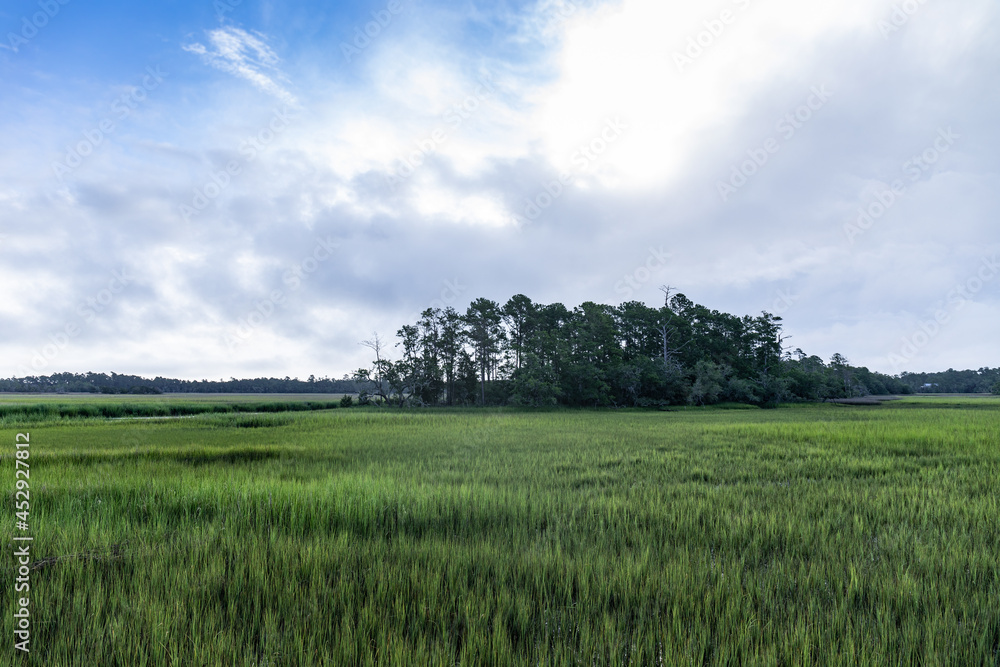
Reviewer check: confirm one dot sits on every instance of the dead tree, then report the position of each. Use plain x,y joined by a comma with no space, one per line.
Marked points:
377,376
668,333
666,289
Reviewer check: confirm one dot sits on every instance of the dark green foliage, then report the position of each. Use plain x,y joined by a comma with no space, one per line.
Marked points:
534,384
951,381
136,389
535,355
708,382
132,384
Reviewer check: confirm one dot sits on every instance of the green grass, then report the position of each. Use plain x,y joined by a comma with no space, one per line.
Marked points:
23,412
806,535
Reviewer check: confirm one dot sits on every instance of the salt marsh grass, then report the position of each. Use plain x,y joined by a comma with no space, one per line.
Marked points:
810,535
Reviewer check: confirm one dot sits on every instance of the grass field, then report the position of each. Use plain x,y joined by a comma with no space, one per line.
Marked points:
815,535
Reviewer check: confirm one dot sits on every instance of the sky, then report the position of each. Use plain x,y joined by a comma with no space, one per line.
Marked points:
241,188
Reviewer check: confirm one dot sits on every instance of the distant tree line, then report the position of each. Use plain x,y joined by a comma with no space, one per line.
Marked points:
134,384
529,354
983,381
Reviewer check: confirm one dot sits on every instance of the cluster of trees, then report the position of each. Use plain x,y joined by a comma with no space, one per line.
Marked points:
983,381
529,354
134,384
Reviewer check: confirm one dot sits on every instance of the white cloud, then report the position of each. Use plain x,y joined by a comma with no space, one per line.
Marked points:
452,219
246,56
632,59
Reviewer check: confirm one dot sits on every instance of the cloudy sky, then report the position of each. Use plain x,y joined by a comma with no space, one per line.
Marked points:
206,189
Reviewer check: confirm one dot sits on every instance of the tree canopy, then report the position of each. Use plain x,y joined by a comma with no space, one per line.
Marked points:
530,354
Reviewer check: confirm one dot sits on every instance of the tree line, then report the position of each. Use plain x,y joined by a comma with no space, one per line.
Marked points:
115,383
982,381
530,354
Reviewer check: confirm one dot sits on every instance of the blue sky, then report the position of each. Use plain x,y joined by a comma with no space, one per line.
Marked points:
202,189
